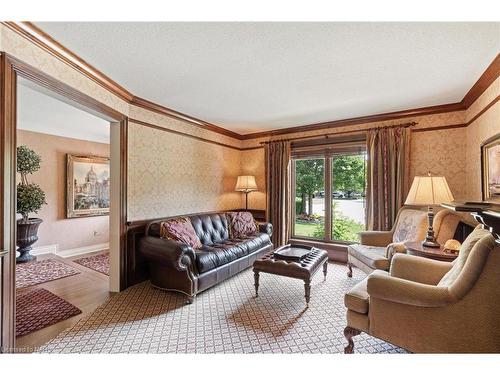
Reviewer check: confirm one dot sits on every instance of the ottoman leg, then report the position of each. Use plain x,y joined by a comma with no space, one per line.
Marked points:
325,269
349,332
256,279
349,272
307,289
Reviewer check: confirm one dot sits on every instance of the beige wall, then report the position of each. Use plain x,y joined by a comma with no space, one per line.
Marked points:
56,229
205,183
170,174
435,151
201,185
253,164
484,127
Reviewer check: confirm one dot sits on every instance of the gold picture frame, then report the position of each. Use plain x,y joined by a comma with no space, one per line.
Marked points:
490,169
87,186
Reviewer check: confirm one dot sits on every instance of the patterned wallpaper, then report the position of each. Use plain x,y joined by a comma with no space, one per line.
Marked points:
253,163
485,127
170,174
441,152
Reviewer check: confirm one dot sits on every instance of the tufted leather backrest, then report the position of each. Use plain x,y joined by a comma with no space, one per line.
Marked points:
210,228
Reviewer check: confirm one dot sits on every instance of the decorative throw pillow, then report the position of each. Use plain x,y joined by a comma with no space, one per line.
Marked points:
241,224
180,230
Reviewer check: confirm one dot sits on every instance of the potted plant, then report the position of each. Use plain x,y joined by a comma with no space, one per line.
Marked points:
30,199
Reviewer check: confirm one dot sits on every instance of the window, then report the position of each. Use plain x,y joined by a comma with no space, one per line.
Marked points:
310,198
329,194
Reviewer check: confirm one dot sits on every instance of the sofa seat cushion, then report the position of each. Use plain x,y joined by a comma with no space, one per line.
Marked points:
221,253
357,299
255,242
216,255
372,256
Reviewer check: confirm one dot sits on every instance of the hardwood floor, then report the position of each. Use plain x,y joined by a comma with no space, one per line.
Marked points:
87,290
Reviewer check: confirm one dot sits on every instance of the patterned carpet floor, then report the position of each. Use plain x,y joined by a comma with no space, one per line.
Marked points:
42,271
224,319
39,308
99,263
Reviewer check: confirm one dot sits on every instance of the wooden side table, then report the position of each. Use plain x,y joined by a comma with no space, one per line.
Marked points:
416,248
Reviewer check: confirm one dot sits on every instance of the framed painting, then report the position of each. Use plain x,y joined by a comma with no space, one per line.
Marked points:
490,171
88,186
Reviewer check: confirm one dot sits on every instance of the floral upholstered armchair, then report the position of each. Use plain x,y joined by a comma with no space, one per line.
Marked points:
376,248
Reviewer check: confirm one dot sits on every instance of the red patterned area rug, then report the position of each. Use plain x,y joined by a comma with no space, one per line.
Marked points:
39,308
42,271
99,263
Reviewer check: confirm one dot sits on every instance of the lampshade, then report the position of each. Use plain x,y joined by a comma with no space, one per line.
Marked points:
246,183
429,191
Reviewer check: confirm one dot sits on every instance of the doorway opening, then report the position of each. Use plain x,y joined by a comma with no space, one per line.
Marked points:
68,212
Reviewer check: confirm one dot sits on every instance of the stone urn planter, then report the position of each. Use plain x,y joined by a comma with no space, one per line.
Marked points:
27,235
30,199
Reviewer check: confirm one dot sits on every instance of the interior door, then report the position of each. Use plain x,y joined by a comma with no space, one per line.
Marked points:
7,203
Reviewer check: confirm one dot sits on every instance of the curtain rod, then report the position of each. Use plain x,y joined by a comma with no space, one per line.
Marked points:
326,136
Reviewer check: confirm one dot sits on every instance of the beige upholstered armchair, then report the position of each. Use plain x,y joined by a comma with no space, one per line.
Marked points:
428,306
376,248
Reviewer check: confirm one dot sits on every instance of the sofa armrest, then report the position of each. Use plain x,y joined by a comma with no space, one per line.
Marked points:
176,254
418,269
266,228
375,238
388,288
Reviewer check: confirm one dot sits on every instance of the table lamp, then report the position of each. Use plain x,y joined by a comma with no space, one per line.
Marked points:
246,184
429,191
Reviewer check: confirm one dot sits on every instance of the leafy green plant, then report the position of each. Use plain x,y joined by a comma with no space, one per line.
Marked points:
343,228
30,197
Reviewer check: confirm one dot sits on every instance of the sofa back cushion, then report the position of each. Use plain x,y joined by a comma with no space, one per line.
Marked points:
181,230
241,224
210,228
411,225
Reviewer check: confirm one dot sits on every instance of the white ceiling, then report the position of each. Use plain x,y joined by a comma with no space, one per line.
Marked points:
41,113
250,77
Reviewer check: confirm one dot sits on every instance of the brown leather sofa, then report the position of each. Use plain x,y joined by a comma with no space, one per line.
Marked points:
178,267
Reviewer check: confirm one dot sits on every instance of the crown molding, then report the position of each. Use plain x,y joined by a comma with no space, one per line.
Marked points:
489,76
443,108
40,38
37,36
146,104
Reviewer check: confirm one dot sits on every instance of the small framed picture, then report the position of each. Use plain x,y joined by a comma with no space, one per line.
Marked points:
490,169
88,186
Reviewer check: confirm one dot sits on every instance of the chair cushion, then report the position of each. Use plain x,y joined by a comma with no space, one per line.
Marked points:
372,256
411,226
357,299
180,230
241,224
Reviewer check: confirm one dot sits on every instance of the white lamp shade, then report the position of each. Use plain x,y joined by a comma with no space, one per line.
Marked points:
246,183
429,191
